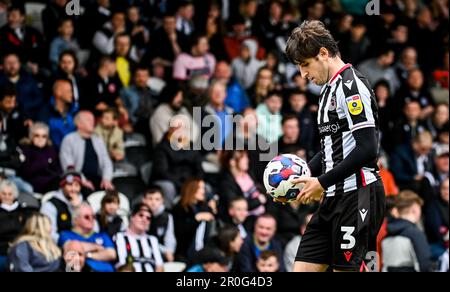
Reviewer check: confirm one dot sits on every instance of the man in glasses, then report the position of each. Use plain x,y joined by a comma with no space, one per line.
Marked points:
136,246
98,247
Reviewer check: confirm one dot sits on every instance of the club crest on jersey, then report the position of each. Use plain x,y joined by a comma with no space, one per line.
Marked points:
333,104
354,104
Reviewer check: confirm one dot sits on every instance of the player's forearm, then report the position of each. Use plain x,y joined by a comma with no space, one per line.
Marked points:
315,164
366,150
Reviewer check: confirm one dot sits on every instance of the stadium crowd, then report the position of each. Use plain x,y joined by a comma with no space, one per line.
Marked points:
100,112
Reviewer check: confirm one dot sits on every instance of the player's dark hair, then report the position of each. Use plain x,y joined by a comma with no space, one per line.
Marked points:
306,41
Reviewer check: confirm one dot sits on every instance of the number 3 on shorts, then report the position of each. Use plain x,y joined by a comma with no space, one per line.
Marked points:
348,237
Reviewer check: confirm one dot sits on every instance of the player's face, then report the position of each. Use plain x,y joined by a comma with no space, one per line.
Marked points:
314,70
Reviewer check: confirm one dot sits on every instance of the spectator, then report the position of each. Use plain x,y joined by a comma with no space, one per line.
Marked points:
385,109
62,204
268,262
407,62
65,41
236,96
96,15
237,183
13,123
358,43
29,96
112,136
270,26
125,57
172,105
298,102
87,153
269,117
246,65
436,221
162,225
378,68
12,218
104,89
104,38
197,67
21,39
261,240
34,250
193,217
415,90
108,220
209,260
263,86
291,135
175,161
221,113
439,120
41,167
230,242
99,248
184,15
51,17
291,249
59,113
137,28
136,246
238,214
74,257
406,248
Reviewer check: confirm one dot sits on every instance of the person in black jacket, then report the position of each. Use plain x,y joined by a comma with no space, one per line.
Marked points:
193,217
261,240
171,168
108,220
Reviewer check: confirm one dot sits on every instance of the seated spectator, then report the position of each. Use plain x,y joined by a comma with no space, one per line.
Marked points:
291,135
172,167
103,40
59,113
230,242
263,85
41,167
172,105
62,205
108,220
86,152
103,89
410,162
136,246
193,217
291,249
406,248
269,117
236,182
416,90
125,58
13,120
236,97
379,68
63,42
108,129
238,214
34,250
74,256
216,108
209,260
12,218
162,225
440,169
196,67
99,248
436,221
439,120
184,17
406,63
29,95
246,66
11,159
268,262
137,28
51,16
261,240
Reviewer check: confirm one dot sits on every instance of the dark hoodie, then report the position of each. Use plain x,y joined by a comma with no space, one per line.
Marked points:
401,227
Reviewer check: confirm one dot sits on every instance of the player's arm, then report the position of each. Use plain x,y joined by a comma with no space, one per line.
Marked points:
315,164
366,150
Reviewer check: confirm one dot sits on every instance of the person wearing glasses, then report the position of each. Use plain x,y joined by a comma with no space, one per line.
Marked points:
41,167
135,246
99,248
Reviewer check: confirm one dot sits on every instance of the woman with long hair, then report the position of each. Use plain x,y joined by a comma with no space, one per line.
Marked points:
34,250
191,217
263,85
108,220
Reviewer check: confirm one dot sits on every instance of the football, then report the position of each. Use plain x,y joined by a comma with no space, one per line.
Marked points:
279,173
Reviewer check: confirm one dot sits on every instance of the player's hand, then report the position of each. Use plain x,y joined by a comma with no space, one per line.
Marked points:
312,190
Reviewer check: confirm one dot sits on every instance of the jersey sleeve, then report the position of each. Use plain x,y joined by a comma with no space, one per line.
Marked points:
355,98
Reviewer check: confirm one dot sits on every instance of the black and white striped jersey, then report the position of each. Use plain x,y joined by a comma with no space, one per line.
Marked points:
347,103
143,251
